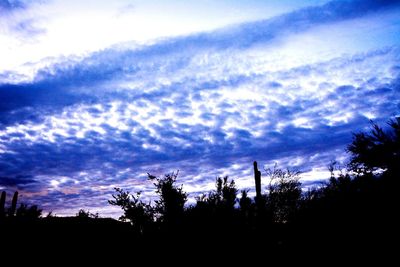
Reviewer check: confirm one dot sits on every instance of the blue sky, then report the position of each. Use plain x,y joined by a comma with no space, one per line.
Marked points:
95,94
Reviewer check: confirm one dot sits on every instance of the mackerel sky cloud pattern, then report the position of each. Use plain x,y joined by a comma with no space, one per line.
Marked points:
287,85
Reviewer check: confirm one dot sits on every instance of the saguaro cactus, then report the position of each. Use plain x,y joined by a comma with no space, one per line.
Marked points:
14,204
257,178
2,203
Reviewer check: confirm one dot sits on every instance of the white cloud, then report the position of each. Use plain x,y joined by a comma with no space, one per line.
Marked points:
74,27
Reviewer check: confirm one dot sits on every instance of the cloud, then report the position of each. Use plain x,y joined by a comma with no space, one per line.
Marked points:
154,124
17,181
9,6
126,10
18,21
207,104
237,36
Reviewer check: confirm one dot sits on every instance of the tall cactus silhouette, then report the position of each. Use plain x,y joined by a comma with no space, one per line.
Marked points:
257,178
2,203
14,204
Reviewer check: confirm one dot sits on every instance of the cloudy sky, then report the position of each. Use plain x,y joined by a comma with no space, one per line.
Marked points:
95,94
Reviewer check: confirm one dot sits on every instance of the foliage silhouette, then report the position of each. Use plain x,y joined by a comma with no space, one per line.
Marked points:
85,214
32,212
23,212
284,193
138,213
171,203
377,149
224,197
245,202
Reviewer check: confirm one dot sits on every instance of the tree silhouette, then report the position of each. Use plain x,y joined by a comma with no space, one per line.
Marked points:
376,149
284,193
171,203
138,213
223,198
32,212
86,214
245,201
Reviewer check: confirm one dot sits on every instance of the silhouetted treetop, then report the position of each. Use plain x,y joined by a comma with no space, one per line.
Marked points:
86,214
223,197
171,202
377,149
137,212
284,193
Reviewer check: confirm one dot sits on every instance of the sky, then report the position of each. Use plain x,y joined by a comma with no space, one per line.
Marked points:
95,94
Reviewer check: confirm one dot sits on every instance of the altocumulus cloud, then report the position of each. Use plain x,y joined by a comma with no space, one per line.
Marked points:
9,6
208,104
16,20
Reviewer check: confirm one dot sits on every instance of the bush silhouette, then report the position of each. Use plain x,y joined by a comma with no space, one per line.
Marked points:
170,205
32,212
224,196
284,194
138,213
245,202
377,149
83,214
